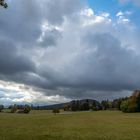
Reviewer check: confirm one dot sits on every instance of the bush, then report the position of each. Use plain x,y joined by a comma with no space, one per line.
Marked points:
67,108
55,111
27,109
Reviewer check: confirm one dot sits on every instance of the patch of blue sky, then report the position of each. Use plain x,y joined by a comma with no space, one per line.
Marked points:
113,7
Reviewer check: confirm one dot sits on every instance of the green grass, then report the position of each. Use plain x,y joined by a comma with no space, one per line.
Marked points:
43,125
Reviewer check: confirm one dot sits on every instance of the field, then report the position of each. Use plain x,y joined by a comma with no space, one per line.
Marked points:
43,125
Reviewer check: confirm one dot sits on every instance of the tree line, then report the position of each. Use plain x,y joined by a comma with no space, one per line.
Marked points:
126,104
16,109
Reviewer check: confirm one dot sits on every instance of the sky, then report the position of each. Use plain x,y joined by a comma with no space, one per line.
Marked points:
54,51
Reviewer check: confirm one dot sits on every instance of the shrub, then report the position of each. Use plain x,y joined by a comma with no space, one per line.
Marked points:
27,109
55,111
67,108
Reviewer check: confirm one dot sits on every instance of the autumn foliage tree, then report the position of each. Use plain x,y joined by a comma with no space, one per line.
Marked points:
132,104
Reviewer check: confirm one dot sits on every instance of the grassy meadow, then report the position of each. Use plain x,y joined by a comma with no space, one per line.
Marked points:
43,125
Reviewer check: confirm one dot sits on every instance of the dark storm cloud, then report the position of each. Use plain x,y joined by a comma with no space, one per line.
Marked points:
107,67
11,62
21,24
22,20
19,20
112,66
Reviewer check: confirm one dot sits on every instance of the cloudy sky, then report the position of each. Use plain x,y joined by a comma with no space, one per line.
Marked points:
53,51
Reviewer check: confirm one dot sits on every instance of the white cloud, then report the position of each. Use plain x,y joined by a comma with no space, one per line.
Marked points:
88,12
18,93
123,17
119,14
89,18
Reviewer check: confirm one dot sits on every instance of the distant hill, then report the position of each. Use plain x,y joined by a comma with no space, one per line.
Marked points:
62,105
89,101
51,107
